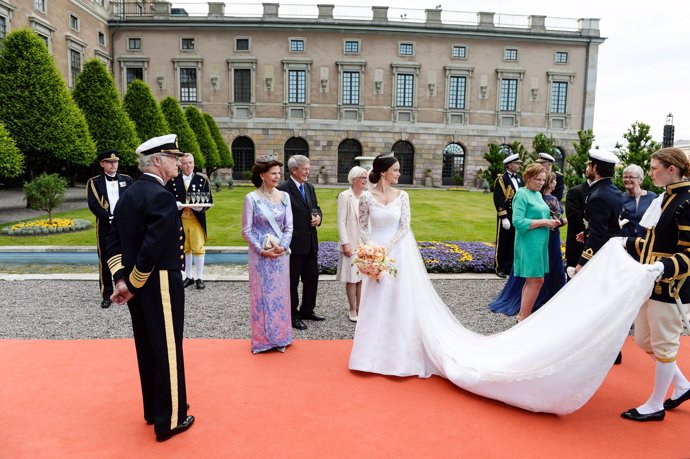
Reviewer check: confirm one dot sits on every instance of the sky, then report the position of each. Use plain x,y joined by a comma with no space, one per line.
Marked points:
644,64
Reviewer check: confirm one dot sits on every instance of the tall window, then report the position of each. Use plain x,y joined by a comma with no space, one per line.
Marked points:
348,150
75,64
351,88
188,88
3,28
40,5
134,73
404,90
453,171
101,38
404,152
456,93
508,95
73,22
297,85
559,95
243,155
243,85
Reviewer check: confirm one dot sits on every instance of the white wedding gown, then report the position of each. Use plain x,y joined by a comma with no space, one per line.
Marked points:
552,362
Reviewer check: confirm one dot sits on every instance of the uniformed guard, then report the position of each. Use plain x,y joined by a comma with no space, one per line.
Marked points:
102,194
603,205
146,256
546,160
666,247
196,185
504,190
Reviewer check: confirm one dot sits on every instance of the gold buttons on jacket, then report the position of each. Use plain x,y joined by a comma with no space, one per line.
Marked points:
181,247
181,257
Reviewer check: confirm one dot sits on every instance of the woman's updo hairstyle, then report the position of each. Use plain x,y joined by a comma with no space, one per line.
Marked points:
382,163
672,156
533,170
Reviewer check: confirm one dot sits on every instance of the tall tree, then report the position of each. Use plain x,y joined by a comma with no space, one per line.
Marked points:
110,127
576,163
178,124
37,108
638,151
11,159
203,136
223,150
143,109
542,144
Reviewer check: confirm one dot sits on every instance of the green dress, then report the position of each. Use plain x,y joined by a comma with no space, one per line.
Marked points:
531,245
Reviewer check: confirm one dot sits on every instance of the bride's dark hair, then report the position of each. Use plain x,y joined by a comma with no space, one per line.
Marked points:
382,163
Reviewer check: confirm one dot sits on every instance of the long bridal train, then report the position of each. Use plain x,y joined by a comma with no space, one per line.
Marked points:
552,362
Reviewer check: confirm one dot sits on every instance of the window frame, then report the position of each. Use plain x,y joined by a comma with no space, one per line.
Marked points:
411,44
352,87
293,94
458,46
507,54
558,100
74,22
43,8
296,40
99,34
127,69
131,40
508,102
352,40
560,61
242,110
249,44
182,44
72,73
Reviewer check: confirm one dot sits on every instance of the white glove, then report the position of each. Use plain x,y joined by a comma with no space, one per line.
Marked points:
657,268
505,223
179,205
622,240
571,271
622,222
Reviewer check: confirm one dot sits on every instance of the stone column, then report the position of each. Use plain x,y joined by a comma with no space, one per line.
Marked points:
433,17
486,20
537,23
325,12
216,9
380,13
270,10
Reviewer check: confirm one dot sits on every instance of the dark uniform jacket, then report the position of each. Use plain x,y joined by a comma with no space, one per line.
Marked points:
97,195
602,212
305,239
504,191
560,187
199,183
575,210
147,234
669,243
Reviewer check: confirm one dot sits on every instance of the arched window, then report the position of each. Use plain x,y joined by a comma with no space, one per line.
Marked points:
559,156
453,172
404,152
348,150
243,155
294,146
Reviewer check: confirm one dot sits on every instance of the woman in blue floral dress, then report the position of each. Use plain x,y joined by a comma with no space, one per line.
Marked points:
267,228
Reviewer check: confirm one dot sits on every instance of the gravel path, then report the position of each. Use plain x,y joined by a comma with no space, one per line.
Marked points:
48,309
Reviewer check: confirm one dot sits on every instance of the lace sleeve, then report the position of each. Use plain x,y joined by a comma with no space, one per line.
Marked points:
404,225
364,218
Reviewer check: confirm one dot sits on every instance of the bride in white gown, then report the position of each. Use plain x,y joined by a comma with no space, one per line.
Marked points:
552,362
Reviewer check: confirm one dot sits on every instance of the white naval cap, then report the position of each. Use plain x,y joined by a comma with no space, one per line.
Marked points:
163,144
604,156
545,157
514,158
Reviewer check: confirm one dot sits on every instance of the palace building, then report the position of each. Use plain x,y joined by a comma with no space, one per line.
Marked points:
338,82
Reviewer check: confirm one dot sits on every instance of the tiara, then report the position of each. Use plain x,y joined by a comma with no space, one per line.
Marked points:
387,155
267,158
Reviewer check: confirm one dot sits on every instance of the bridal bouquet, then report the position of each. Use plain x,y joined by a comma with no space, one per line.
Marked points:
372,261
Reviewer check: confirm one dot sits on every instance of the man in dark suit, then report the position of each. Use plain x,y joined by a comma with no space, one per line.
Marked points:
575,210
306,216
102,193
505,188
146,255
193,218
546,160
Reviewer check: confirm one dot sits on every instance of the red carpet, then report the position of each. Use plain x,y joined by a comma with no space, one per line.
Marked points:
81,399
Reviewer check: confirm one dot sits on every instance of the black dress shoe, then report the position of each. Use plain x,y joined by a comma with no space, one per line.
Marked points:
106,303
187,282
311,316
501,274
299,325
619,359
149,422
200,285
670,404
635,415
186,424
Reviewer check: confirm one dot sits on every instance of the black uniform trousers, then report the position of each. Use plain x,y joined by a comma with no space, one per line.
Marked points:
105,278
305,267
157,312
505,245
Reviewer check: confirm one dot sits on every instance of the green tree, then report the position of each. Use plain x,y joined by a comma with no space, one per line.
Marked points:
223,150
110,127
542,144
46,192
638,151
495,157
576,163
178,124
37,108
11,159
203,136
143,109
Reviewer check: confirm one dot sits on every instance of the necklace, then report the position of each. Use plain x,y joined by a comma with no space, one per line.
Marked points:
268,195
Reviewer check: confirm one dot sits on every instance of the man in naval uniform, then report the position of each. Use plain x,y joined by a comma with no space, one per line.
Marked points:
505,187
546,160
102,194
146,256
193,218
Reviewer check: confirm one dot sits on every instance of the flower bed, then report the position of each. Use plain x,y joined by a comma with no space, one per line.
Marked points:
41,227
438,256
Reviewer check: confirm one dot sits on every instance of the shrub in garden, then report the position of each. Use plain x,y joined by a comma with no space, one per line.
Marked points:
143,109
46,192
11,159
178,124
203,136
223,150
